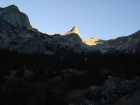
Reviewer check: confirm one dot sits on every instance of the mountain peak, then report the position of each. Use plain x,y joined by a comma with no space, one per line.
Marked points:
11,8
74,30
13,15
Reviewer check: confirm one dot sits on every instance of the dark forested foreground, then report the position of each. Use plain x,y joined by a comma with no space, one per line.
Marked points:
38,79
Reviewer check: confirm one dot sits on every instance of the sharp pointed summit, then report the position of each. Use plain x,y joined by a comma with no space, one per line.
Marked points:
74,30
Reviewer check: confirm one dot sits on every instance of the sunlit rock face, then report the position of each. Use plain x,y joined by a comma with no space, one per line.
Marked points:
92,41
74,30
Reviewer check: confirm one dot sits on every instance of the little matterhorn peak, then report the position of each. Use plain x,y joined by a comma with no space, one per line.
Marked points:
74,30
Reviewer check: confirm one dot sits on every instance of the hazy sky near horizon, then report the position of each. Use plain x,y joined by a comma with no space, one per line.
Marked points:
105,19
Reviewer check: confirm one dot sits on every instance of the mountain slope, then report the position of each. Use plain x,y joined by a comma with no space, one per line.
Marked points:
130,41
17,33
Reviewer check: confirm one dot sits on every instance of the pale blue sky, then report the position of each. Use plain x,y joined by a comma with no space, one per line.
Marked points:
105,19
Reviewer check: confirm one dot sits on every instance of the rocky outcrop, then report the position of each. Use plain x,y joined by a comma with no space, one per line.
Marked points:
74,30
113,89
13,15
92,41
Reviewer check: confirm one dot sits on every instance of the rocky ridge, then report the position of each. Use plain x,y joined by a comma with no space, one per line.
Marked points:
124,42
17,33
